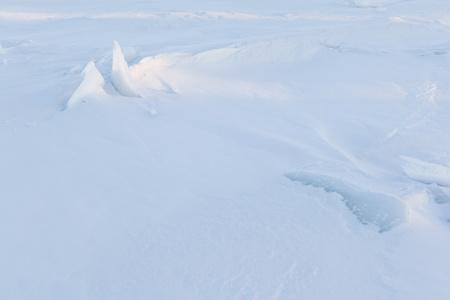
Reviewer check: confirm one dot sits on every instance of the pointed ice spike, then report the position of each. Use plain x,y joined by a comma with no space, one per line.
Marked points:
120,74
92,83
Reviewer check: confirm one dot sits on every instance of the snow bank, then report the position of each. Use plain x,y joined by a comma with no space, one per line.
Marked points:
426,172
92,83
120,74
382,210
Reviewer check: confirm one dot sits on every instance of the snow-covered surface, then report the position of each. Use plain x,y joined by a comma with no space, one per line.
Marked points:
120,74
224,149
92,85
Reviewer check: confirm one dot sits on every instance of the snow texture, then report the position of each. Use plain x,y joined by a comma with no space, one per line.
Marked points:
91,85
373,3
440,194
236,149
426,172
382,210
120,74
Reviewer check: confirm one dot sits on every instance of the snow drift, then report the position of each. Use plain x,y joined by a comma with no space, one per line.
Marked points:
110,200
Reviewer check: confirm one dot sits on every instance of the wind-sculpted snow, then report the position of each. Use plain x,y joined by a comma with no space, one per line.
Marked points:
91,85
440,194
426,172
93,81
382,210
188,74
120,74
436,177
182,192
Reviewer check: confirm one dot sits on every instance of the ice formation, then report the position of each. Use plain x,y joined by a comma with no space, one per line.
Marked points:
120,74
92,83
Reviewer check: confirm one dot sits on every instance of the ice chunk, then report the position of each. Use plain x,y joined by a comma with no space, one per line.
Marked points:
120,74
92,83
382,210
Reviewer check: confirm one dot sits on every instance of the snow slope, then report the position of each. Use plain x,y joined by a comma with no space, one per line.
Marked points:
224,150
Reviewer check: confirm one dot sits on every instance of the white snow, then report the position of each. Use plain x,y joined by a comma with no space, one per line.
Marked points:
120,74
373,3
235,149
380,209
91,85
426,172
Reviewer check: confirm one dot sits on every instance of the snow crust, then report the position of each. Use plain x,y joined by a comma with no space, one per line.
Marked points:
230,150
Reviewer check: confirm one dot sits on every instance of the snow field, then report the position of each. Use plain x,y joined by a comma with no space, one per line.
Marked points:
224,150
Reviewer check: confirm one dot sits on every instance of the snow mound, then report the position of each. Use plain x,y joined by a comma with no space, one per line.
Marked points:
382,210
150,71
426,172
120,74
92,83
208,72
